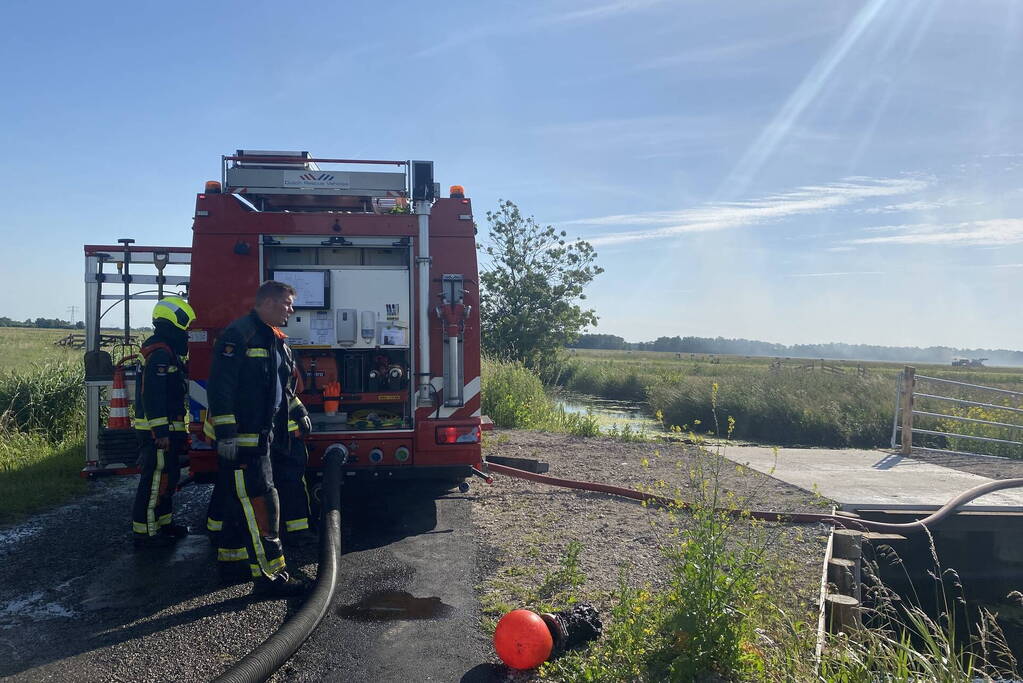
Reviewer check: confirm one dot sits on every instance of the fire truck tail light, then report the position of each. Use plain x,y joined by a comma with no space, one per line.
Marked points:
448,435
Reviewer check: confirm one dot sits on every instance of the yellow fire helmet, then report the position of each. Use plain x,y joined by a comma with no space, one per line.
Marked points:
175,310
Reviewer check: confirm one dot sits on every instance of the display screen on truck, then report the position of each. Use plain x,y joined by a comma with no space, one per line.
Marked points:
312,287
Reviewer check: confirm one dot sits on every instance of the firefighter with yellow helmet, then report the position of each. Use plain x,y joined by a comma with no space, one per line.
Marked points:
160,407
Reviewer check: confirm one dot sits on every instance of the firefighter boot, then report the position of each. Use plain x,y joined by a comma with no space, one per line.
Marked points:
282,585
174,530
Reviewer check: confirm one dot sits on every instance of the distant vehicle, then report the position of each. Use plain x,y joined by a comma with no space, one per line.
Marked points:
969,362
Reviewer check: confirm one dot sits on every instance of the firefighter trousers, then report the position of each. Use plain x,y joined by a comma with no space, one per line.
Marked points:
288,458
154,497
251,514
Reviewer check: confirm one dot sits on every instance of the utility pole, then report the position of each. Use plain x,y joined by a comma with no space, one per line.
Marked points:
72,310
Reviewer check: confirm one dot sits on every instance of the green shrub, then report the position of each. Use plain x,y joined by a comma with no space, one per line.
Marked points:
514,397
42,425
702,623
47,398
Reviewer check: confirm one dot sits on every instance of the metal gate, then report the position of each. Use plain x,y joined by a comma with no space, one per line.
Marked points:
947,423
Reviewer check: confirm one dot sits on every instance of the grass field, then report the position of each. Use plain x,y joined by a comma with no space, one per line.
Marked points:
22,347
775,401
42,421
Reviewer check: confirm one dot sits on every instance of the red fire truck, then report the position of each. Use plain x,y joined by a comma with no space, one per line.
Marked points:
386,326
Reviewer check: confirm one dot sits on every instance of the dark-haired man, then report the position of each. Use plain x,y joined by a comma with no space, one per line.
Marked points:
247,390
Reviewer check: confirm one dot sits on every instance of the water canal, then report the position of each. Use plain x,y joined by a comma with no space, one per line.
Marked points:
611,415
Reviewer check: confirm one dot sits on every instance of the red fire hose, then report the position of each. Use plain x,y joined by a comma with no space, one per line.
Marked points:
770,515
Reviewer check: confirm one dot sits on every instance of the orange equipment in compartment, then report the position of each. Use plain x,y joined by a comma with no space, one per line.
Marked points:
319,368
331,398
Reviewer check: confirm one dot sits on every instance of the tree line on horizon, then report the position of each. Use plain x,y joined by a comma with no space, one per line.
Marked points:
833,350
45,323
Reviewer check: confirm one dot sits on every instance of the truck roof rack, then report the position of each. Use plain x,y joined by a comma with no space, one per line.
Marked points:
265,158
295,181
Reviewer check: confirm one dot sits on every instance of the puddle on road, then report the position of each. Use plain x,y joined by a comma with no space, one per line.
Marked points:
395,606
32,607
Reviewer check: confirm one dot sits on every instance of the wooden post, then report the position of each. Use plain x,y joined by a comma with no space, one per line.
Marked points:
848,544
908,387
841,573
843,614
844,571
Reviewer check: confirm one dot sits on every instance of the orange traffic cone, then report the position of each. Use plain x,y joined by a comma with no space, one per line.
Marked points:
118,418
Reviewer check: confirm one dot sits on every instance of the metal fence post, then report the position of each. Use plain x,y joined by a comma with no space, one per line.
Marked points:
908,387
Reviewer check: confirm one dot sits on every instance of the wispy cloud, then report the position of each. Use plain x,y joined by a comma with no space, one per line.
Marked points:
635,133
601,11
726,51
578,15
987,233
837,274
917,206
804,200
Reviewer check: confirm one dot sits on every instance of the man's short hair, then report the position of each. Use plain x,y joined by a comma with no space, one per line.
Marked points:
272,289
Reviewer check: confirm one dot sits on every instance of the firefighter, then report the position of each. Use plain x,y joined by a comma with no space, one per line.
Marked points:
248,387
160,423
288,457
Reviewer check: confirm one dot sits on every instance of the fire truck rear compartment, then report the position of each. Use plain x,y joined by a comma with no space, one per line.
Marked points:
350,332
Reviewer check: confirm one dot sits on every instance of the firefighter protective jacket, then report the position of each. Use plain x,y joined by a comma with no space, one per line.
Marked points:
243,382
160,396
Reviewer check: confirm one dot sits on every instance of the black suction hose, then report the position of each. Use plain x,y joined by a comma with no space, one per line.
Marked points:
262,662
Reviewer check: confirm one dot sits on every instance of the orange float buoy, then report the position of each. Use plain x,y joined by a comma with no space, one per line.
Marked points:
522,639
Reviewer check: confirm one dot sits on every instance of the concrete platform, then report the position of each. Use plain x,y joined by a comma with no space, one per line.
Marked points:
872,480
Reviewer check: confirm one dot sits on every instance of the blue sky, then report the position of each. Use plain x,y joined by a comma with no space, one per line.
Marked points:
792,171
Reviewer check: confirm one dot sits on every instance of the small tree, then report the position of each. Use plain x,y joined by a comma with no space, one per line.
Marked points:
531,281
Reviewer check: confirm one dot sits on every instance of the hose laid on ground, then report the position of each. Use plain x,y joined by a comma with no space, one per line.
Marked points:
262,662
769,515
